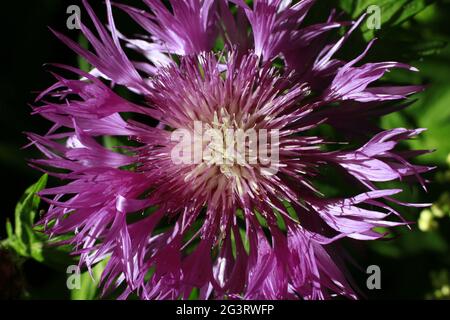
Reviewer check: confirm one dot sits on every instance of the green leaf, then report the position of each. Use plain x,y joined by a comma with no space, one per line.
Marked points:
83,64
27,242
430,111
89,285
392,12
23,239
111,143
409,10
9,229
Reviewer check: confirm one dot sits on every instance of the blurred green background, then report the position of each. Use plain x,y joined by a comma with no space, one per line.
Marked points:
414,263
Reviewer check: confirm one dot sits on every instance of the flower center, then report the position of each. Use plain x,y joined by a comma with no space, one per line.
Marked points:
224,147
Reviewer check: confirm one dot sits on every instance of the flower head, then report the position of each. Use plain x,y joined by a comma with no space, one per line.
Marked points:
219,188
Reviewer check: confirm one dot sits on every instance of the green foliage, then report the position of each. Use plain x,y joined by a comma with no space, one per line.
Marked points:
393,12
83,64
23,239
89,289
27,240
441,285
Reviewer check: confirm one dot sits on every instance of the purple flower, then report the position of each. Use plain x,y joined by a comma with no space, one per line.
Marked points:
231,229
